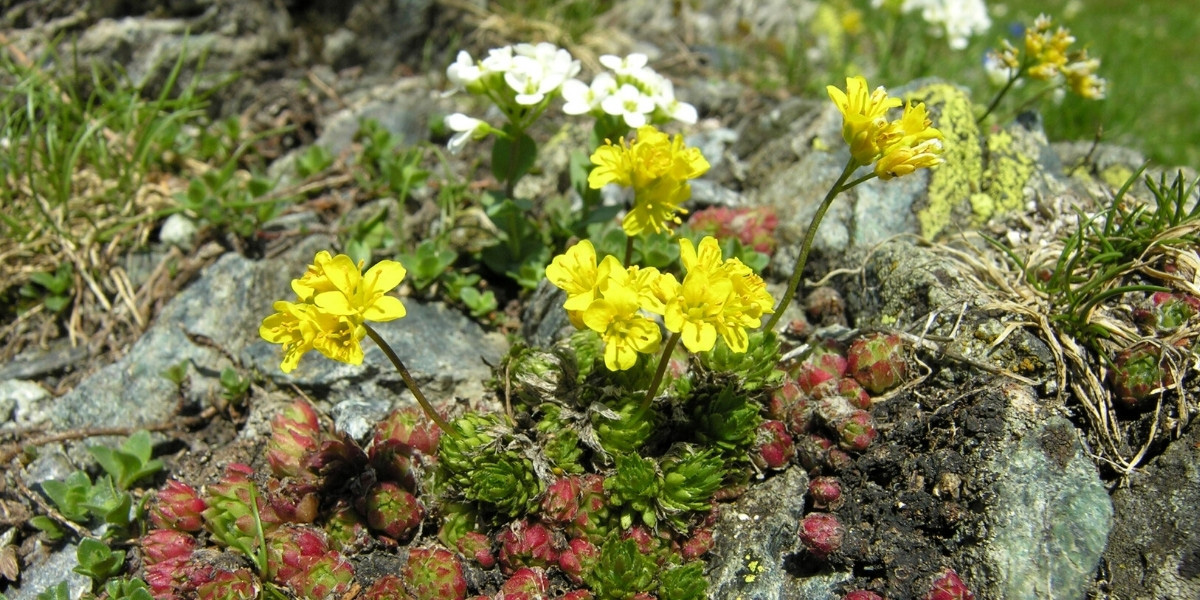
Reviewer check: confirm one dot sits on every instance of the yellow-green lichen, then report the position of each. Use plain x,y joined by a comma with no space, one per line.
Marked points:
1008,170
1116,175
955,181
988,184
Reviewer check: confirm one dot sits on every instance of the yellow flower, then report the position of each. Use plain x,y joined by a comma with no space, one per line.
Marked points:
625,332
335,298
363,296
657,167
338,337
906,159
291,327
864,116
575,272
647,283
314,280
1081,76
737,298
695,313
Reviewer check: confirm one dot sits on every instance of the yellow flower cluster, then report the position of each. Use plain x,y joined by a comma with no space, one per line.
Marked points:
1050,58
716,297
658,168
334,299
895,147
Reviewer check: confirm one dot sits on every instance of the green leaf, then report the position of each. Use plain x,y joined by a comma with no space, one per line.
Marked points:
58,592
97,560
48,526
513,156
70,496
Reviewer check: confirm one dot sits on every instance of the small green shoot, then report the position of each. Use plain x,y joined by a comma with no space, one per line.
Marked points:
480,304
97,560
131,461
427,263
313,160
234,386
53,289
56,592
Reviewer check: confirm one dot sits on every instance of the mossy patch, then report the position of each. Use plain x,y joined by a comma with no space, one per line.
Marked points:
1004,178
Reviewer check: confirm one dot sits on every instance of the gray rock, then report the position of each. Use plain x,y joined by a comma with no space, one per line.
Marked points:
59,356
22,404
752,537
1050,515
42,575
1154,550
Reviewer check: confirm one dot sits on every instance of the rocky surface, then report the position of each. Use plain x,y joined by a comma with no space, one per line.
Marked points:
982,463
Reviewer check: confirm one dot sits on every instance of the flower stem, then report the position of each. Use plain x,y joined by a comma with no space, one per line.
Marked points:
628,250
1000,95
798,270
662,369
408,380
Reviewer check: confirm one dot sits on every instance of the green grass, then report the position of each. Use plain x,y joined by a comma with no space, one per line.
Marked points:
1147,49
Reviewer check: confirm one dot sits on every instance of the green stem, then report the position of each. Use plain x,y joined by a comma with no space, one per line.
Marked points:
408,380
1000,95
628,250
662,369
798,270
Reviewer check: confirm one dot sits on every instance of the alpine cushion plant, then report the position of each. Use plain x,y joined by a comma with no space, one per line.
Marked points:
335,299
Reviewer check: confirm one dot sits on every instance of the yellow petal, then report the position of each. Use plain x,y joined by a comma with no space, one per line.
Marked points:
385,308
384,276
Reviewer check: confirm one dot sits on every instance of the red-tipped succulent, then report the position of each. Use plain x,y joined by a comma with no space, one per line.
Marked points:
393,510
561,503
825,492
478,546
388,587
856,432
1136,373
525,544
698,544
178,506
947,585
434,574
774,448
239,584
578,559
877,362
161,545
754,227
822,534
322,577
526,583
825,306
295,439
824,364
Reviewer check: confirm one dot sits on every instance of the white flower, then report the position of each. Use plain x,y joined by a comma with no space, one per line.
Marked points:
467,129
624,66
666,102
582,99
997,72
463,72
499,60
537,71
957,20
629,103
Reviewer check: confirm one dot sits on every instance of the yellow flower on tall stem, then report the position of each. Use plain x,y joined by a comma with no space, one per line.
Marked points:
657,167
625,332
896,148
335,301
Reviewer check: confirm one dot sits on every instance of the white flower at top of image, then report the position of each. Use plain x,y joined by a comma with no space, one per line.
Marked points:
956,20
463,72
467,129
582,99
630,104
629,65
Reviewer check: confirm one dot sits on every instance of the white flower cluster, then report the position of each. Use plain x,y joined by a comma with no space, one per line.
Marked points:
632,91
523,78
520,79
956,20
